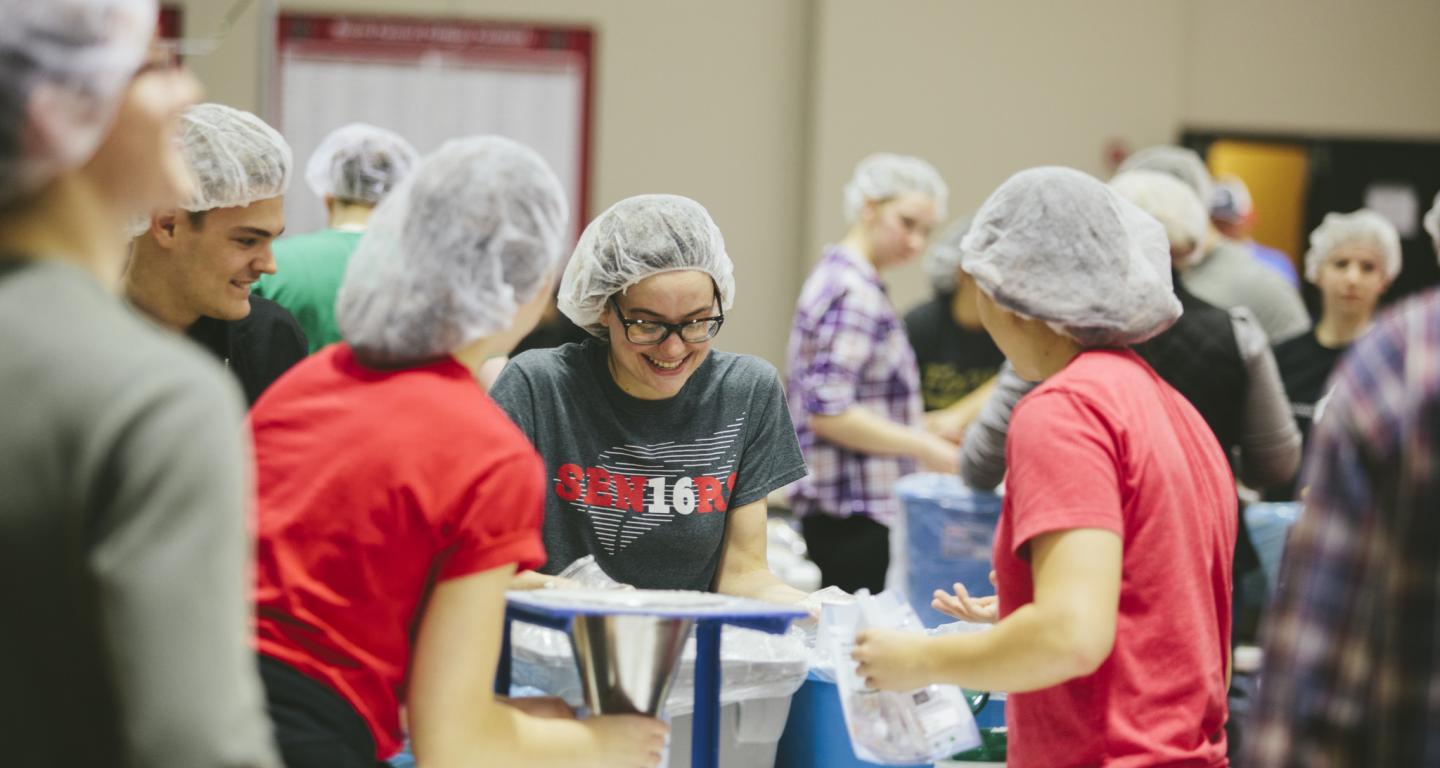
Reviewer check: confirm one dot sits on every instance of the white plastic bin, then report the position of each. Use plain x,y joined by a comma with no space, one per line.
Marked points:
749,733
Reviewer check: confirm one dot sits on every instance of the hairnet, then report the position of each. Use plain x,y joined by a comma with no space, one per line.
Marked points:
67,64
883,176
453,251
1184,164
636,238
1432,221
235,158
1056,245
359,163
1363,227
1167,199
1230,200
943,256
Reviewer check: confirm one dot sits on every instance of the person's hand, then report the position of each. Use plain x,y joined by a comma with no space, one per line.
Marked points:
627,741
936,454
552,707
946,424
891,660
979,610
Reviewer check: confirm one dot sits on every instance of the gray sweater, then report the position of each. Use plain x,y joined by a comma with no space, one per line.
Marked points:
125,570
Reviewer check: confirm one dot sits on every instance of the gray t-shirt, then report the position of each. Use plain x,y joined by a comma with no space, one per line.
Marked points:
125,571
643,485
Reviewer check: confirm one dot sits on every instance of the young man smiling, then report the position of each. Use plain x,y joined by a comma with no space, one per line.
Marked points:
193,267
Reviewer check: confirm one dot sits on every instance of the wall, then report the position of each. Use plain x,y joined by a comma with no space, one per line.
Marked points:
760,108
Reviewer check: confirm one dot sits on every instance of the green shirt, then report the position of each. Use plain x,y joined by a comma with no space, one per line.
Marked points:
308,272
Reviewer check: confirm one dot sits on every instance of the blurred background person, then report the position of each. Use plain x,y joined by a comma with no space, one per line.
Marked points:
1351,658
958,360
1223,273
383,560
124,553
854,387
1232,212
194,265
351,172
1353,258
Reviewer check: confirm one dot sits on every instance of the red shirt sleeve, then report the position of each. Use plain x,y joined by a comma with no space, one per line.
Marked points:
498,519
1063,454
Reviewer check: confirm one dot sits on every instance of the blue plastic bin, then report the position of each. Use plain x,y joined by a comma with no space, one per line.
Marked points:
815,735
1269,526
948,533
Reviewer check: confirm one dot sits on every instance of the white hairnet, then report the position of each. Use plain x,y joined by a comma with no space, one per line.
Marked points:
1184,164
453,251
636,238
359,163
1432,222
67,64
943,256
234,156
1363,227
1172,204
882,176
1057,245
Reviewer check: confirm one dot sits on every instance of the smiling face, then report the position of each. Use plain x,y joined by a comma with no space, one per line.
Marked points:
899,228
218,258
659,371
1351,280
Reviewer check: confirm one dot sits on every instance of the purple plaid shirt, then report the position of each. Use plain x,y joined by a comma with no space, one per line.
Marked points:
848,347
1352,654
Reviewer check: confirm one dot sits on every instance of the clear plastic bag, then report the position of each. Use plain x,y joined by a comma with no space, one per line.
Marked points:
891,727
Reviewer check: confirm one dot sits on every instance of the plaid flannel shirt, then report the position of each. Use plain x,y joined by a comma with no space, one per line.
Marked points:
1352,656
848,348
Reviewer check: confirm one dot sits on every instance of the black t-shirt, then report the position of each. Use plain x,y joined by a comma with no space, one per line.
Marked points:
953,361
256,349
1305,367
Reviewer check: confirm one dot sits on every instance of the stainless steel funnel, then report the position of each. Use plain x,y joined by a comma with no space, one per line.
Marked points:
627,662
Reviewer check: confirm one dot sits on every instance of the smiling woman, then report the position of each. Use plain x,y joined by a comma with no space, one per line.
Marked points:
660,450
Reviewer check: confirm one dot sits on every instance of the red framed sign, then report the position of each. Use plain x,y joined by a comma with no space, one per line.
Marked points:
434,79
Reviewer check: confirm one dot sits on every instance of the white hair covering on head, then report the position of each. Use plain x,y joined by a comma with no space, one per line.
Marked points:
359,163
1170,201
882,176
235,158
67,64
453,251
1363,227
1180,162
1057,245
636,238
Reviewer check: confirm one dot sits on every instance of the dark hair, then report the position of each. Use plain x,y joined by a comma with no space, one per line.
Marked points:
197,219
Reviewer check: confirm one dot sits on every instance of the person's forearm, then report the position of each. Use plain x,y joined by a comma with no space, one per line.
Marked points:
758,583
502,735
968,407
867,432
1026,651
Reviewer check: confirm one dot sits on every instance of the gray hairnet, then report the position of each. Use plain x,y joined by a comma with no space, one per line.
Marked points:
882,176
359,163
235,157
453,251
1170,201
1056,245
1184,164
1363,227
66,66
636,238
943,256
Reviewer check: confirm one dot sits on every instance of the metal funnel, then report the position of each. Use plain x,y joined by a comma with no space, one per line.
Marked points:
627,662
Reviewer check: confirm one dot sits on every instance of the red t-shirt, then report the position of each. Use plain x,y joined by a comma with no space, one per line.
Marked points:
1105,443
374,485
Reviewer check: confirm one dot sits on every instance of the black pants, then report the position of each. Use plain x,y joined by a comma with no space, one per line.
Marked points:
852,552
314,726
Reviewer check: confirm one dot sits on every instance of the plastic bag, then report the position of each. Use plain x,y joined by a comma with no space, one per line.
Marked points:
891,727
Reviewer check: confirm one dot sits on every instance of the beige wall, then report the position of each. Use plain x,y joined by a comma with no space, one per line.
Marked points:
760,108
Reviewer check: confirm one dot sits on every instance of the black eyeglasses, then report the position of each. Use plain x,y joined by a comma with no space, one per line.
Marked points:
651,332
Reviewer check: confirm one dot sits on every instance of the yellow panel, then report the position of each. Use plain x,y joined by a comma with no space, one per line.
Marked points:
1277,175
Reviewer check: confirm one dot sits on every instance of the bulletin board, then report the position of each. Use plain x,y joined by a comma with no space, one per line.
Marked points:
431,80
